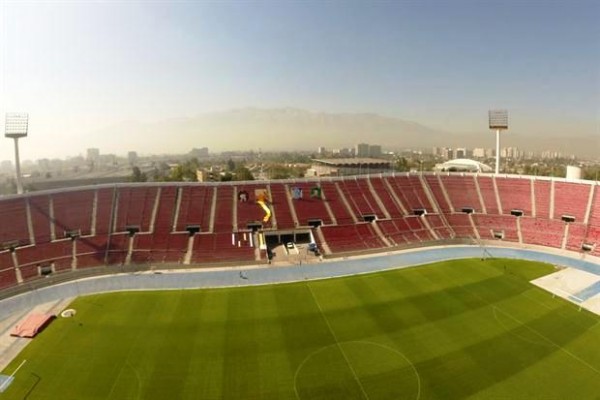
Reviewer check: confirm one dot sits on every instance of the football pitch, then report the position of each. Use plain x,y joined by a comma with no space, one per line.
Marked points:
451,330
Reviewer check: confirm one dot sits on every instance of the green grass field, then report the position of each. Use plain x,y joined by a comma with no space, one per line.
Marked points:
462,329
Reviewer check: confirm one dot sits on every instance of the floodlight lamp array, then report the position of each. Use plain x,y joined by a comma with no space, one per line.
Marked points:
16,125
498,119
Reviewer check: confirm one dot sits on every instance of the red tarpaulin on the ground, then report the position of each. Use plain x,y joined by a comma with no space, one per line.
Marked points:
32,325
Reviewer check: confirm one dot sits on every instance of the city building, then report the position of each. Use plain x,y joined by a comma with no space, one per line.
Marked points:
374,151
362,150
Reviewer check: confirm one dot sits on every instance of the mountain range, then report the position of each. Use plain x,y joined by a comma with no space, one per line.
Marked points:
296,129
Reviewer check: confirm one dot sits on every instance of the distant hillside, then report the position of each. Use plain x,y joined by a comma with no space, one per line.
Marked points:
295,129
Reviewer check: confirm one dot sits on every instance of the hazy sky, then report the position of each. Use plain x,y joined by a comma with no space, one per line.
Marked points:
80,66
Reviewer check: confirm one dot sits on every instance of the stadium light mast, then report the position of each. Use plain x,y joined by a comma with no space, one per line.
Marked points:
498,121
16,127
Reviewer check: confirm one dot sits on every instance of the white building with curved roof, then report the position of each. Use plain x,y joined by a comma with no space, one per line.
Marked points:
462,165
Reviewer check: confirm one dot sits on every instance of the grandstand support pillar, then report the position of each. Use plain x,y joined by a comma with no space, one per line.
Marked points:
323,243
563,245
588,209
552,199
17,269
445,193
380,234
428,226
256,242
392,192
29,221
479,196
234,223
52,224
74,255
533,209
155,210
327,207
377,199
187,259
290,202
346,203
213,208
429,194
519,233
497,151
94,211
129,250
177,208
497,194
475,231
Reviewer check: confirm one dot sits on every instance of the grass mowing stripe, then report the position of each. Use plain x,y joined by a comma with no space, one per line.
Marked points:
337,342
559,347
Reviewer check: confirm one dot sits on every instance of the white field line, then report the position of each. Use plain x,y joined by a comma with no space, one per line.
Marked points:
338,343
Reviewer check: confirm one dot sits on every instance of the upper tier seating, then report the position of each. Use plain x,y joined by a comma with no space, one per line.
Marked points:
281,206
73,212
462,192
134,208
410,192
13,228
488,194
542,198
386,197
571,199
307,207
195,207
360,198
515,194
336,204
438,193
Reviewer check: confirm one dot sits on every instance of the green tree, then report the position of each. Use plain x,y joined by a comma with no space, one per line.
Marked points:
137,175
243,174
230,165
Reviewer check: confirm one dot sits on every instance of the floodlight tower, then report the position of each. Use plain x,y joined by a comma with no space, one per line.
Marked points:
16,128
499,122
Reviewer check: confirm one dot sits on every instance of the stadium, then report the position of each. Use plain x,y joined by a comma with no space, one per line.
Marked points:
268,323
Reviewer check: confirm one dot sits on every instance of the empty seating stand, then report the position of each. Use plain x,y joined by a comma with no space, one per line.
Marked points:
309,208
542,198
488,194
386,197
571,199
336,204
542,231
281,207
73,212
57,231
359,198
159,248
195,207
515,194
14,228
496,227
410,191
222,247
462,192
134,208
351,237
